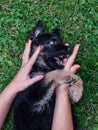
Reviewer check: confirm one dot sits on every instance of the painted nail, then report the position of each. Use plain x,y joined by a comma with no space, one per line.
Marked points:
28,42
38,47
41,76
78,66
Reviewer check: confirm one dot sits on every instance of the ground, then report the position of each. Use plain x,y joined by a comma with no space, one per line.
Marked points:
77,20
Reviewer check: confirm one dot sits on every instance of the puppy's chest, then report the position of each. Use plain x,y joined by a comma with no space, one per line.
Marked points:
45,100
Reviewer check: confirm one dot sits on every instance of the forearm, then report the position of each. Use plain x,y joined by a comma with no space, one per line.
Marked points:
62,119
6,99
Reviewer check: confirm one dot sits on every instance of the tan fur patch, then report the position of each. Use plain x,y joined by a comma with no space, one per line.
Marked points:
59,77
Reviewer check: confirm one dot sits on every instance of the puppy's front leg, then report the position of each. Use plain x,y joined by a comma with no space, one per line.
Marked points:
59,77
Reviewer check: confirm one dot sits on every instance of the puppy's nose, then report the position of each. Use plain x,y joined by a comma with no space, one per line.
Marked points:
70,50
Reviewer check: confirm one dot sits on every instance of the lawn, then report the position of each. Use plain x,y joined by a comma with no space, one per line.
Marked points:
78,20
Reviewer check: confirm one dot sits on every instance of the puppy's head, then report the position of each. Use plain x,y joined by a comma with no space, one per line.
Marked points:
53,50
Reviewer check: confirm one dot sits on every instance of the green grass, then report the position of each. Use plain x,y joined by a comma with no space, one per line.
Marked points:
77,20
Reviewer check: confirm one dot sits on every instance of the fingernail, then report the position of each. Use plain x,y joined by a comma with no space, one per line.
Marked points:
38,47
78,67
78,44
41,76
66,44
28,42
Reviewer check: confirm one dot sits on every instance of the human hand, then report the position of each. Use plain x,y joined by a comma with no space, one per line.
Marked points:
22,79
69,68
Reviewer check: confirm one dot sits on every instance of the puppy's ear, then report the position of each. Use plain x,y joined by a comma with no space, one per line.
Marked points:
36,30
57,32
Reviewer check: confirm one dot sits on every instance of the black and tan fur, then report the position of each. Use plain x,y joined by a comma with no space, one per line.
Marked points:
34,107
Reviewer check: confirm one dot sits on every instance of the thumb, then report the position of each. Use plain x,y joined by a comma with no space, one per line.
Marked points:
74,68
35,79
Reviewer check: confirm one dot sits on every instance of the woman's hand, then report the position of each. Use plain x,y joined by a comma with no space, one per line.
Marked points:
22,79
19,83
69,67
62,119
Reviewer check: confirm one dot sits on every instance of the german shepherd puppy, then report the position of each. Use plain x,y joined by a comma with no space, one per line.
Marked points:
34,107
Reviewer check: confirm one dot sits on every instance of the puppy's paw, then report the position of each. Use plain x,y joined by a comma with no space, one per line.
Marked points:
75,86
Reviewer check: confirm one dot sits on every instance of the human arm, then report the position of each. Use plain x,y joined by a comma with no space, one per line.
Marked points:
62,119
19,83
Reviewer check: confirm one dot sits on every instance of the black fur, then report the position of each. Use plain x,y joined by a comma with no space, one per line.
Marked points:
34,106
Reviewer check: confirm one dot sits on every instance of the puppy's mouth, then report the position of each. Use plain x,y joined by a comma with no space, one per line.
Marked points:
57,62
60,60
55,58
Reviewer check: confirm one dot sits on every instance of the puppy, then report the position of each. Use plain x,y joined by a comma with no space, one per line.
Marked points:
34,107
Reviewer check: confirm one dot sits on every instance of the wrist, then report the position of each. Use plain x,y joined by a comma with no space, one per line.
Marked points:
62,90
62,94
62,98
13,87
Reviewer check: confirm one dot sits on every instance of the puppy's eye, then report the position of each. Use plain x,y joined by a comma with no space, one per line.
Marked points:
51,43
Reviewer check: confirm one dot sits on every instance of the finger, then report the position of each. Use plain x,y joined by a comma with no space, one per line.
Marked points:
72,57
66,44
74,68
65,59
26,53
35,79
33,58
